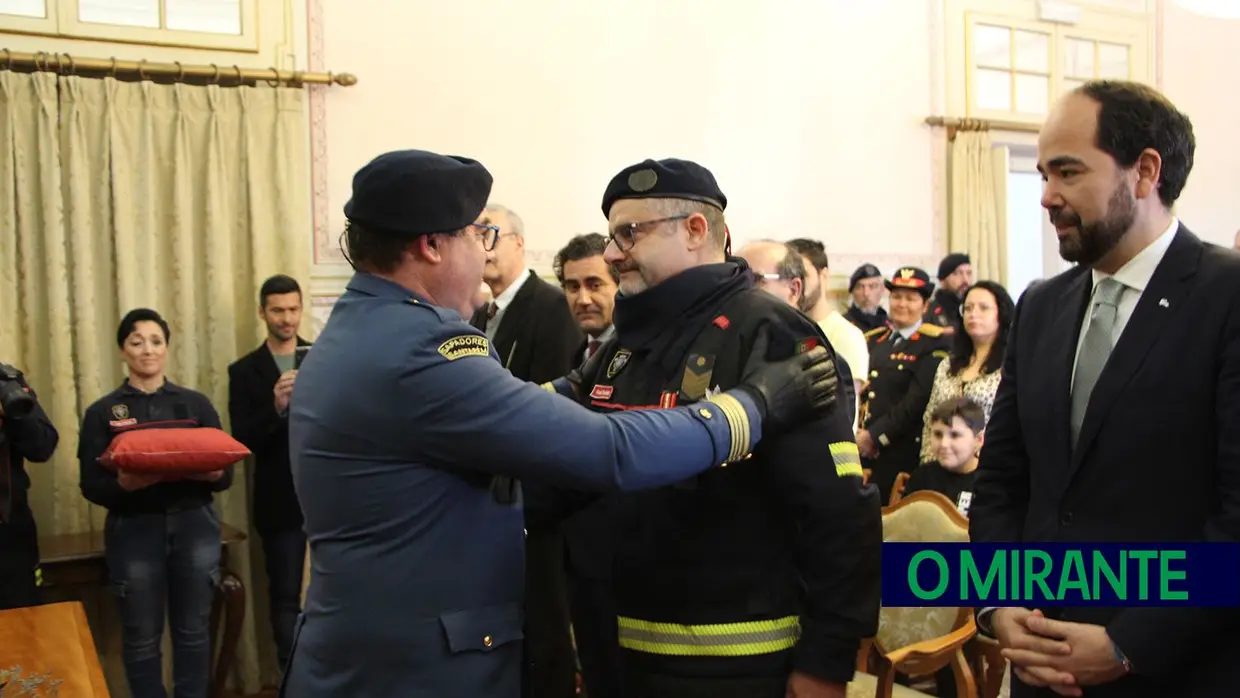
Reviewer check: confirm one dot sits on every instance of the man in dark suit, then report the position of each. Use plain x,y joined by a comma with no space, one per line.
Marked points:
1116,418
260,385
532,330
590,286
527,320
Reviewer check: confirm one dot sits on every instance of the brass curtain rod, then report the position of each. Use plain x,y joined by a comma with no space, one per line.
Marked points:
955,123
65,64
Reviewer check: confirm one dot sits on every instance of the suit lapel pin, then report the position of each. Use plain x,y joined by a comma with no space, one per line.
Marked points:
1163,303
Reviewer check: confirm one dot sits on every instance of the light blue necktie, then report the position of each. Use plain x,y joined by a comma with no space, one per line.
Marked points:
1095,350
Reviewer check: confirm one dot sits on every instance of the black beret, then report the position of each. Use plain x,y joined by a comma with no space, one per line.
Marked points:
865,271
664,179
951,263
913,279
416,192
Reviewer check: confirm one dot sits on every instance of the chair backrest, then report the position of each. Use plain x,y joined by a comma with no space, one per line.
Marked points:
921,517
897,489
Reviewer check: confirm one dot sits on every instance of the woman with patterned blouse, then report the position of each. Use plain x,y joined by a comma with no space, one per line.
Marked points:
973,369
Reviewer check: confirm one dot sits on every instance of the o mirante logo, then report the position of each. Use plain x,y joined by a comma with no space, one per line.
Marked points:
1060,574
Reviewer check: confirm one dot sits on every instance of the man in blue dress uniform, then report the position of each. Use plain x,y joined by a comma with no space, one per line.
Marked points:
407,438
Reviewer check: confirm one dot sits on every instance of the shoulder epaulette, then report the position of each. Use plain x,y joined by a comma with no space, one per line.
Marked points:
930,329
875,332
424,305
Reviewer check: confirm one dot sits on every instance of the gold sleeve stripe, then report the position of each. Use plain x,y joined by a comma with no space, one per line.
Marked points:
847,458
738,424
548,387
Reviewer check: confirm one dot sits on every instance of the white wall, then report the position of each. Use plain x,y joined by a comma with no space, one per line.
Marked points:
1199,75
809,112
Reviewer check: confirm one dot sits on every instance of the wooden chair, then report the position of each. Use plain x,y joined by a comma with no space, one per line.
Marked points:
917,641
897,489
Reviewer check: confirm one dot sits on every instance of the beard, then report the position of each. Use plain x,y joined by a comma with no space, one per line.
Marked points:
809,298
1091,242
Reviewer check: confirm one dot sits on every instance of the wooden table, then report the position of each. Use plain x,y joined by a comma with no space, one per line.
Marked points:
76,559
53,639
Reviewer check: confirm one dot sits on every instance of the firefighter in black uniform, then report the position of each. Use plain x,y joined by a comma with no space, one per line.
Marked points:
903,359
781,547
25,434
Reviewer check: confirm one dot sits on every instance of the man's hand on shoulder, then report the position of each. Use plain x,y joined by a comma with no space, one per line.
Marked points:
802,685
793,390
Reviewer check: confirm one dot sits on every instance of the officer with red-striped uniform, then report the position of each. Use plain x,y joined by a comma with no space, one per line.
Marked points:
903,359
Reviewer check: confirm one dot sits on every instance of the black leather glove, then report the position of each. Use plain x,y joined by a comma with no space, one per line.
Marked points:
791,391
588,368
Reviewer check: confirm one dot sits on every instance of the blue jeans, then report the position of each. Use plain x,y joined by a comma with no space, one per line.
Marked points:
161,563
285,552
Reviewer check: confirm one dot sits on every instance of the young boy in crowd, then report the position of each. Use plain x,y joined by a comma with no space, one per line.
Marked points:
957,429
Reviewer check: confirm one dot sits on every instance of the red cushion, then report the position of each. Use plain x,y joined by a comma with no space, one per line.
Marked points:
180,450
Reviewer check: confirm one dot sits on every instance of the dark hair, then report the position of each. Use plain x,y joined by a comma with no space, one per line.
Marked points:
581,247
276,286
812,250
792,266
971,412
131,320
377,251
962,348
1133,117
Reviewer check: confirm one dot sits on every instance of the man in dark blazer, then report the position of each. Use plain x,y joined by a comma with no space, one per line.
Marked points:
260,385
590,285
1116,420
531,328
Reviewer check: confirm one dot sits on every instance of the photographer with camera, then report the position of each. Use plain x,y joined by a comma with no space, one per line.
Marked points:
25,434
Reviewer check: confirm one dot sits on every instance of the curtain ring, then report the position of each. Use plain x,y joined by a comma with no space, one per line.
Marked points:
142,70
240,77
180,71
112,73
276,81
72,67
215,77
8,59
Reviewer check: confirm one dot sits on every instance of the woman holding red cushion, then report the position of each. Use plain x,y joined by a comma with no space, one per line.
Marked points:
162,536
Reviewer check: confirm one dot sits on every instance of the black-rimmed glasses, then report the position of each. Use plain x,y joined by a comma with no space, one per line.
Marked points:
625,236
488,234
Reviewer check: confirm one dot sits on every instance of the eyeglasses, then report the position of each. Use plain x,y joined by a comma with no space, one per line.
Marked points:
488,234
758,277
625,236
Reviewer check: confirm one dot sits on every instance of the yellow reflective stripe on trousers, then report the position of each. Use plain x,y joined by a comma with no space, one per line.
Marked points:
718,640
847,458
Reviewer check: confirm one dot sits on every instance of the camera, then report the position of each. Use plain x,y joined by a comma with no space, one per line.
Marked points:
299,355
16,401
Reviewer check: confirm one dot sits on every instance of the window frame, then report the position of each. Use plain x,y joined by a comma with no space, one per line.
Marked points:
972,19
62,22
1130,23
